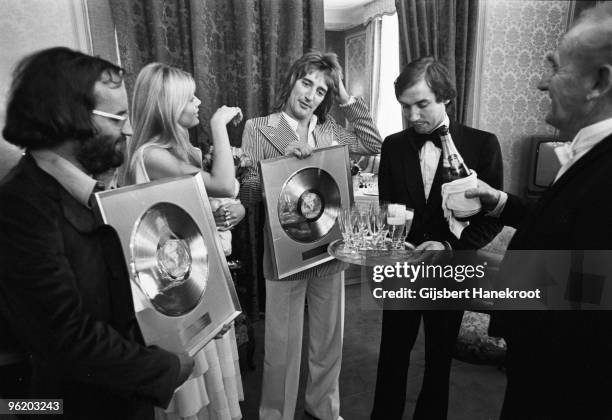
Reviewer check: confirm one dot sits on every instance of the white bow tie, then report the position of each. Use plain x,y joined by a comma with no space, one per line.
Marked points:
564,153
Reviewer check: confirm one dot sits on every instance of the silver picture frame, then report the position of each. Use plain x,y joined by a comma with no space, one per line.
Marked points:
181,285
302,198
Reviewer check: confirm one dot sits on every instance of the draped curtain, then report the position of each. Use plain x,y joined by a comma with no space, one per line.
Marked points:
373,19
373,61
447,30
237,51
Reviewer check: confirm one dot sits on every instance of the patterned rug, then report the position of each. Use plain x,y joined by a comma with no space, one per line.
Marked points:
474,345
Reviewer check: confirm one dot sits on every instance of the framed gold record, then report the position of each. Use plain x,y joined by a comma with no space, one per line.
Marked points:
183,291
303,198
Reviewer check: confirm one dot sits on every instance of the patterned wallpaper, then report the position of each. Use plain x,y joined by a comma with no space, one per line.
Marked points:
517,35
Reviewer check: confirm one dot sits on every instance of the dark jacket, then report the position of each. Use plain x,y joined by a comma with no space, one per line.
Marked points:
65,293
400,181
570,350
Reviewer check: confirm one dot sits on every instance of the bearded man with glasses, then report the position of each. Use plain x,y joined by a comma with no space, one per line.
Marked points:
64,287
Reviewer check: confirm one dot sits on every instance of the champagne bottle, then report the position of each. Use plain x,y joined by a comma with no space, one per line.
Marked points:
453,166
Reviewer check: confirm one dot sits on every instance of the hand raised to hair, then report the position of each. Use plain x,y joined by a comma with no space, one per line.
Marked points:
342,96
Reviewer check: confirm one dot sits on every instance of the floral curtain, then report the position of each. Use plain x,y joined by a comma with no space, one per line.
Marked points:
237,51
447,30
152,30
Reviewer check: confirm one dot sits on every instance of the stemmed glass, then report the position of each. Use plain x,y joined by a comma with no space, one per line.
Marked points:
364,228
399,220
360,225
378,229
346,228
396,223
408,217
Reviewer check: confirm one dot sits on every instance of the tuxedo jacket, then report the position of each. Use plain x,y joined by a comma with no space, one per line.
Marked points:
571,348
400,181
65,294
267,137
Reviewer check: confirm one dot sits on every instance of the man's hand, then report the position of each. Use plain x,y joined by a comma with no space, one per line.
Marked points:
489,196
431,251
431,246
299,150
342,97
186,367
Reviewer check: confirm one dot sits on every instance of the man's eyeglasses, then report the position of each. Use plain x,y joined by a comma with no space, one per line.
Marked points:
115,117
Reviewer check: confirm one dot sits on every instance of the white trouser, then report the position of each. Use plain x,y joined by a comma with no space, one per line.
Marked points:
283,347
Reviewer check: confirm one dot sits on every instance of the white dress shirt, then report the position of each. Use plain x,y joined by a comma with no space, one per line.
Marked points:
429,156
587,138
311,126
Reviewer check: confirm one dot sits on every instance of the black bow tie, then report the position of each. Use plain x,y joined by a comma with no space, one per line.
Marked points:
434,137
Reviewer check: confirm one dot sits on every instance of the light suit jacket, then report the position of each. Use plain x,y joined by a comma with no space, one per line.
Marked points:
267,137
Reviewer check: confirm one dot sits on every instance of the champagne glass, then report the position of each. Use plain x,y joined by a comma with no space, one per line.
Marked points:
343,224
377,225
353,219
373,227
408,217
381,220
361,216
396,222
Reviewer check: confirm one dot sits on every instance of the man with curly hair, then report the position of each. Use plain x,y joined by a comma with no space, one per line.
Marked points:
301,123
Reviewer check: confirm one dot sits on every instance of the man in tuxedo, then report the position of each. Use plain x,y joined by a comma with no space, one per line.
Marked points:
64,287
410,173
301,123
558,362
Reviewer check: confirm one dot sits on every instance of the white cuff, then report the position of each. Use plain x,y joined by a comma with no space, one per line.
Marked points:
499,207
456,227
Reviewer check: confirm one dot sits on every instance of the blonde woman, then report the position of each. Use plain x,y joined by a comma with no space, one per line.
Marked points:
164,107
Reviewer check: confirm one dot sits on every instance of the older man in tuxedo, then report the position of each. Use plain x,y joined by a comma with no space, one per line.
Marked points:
558,362
300,124
64,286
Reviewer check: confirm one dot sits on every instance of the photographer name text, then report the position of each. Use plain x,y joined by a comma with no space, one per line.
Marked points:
433,293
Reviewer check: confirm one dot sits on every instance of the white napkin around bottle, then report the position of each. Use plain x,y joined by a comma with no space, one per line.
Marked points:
454,202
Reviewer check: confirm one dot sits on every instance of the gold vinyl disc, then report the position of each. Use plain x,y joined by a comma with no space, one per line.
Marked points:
169,259
308,204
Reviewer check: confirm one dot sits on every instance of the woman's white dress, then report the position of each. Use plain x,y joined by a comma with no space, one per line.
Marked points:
215,387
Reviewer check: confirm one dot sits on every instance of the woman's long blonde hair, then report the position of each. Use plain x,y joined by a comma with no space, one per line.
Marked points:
161,93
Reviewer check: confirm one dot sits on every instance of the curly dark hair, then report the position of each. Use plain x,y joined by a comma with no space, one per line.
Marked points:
435,74
52,96
309,62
